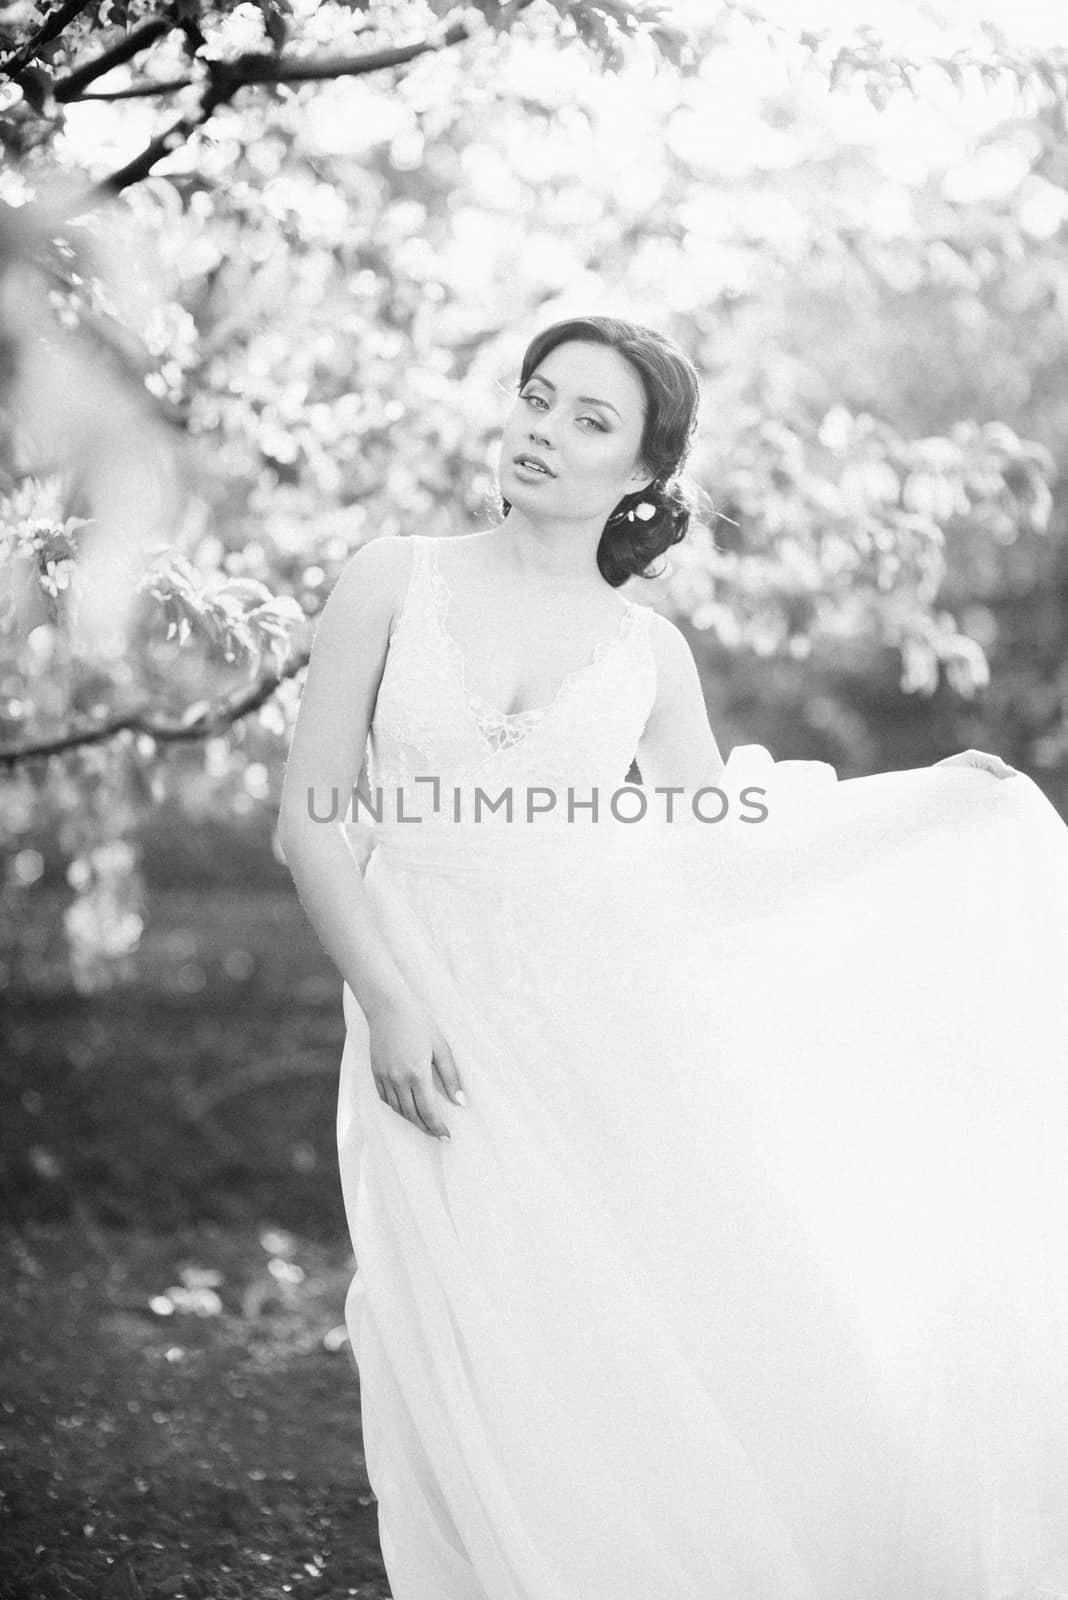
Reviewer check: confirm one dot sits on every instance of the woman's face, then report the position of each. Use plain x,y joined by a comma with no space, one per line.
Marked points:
582,411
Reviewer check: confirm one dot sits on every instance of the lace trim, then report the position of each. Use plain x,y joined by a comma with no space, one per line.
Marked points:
418,554
512,725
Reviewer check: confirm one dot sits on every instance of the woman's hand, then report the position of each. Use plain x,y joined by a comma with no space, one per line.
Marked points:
407,1050
979,758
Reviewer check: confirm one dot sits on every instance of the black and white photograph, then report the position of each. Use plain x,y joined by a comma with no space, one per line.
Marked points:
534,800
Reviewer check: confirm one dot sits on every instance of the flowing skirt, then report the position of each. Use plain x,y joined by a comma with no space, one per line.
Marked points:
745,1273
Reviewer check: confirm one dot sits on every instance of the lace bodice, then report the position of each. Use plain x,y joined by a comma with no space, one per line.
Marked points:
426,724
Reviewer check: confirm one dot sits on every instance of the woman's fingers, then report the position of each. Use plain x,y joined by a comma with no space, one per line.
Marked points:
991,763
421,1096
448,1077
410,1059
982,759
414,1096
415,1103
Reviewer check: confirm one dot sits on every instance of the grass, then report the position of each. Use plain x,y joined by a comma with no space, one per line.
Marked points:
180,1412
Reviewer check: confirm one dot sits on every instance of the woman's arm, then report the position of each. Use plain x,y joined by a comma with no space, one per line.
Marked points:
677,747
406,1046
326,754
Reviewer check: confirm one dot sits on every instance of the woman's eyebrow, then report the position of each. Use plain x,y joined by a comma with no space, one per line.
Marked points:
584,399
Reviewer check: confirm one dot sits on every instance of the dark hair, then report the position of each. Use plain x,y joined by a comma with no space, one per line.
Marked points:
672,394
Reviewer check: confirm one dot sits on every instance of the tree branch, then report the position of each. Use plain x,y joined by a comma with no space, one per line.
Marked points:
50,29
138,39
226,78
139,91
213,720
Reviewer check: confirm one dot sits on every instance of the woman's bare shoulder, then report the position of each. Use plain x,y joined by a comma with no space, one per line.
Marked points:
374,577
670,644
379,559
678,676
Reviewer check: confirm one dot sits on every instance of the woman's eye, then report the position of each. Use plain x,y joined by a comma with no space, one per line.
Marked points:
596,422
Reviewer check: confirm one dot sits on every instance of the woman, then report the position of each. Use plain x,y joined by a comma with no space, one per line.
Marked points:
704,1178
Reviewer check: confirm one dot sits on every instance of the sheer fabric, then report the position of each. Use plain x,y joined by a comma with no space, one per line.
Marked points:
745,1273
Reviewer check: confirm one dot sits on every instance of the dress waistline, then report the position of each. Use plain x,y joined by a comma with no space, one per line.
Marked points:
495,851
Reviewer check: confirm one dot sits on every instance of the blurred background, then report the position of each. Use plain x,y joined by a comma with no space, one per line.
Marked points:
267,272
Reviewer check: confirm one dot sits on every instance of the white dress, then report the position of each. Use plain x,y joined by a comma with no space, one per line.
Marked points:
745,1273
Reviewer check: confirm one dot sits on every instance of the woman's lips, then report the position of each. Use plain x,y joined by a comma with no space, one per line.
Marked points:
540,470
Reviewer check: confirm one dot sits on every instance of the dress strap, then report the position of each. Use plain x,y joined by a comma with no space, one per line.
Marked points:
439,589
420,564
640,618
637,626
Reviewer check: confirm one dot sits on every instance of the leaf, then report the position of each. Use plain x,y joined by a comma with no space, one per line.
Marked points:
199,711
877,93
282,606
239,636
1053,80
843,60
275,24
676,46
36,85
249,592
273,628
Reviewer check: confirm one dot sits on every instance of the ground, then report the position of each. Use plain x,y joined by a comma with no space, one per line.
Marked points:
180,1412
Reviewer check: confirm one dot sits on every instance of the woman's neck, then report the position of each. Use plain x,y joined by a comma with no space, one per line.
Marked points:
549,558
